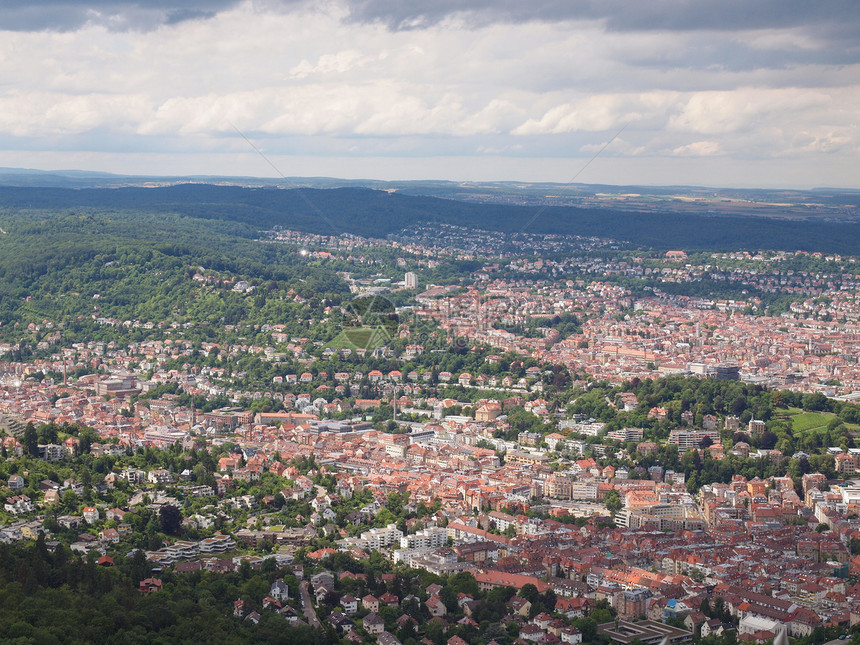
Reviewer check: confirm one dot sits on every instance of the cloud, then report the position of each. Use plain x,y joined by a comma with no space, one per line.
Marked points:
797,31
823,142
47,114
331,64
118,15
500,82
743,109
175,16
828,20
617,146
698,149
380,109
621,15
601,112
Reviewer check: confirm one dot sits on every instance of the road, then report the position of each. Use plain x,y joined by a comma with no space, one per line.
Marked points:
307,605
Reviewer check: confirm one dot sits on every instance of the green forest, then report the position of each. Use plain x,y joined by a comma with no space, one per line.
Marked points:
800,426
54,596
75,266
374,213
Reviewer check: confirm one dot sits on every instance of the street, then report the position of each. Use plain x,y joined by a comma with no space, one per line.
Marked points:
307,605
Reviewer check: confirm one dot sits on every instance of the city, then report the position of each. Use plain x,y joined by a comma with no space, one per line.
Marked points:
470,442
429,323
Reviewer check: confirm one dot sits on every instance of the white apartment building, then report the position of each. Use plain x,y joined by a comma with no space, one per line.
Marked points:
381,538
428,538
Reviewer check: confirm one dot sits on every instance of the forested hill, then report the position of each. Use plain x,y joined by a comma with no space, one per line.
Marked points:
378,213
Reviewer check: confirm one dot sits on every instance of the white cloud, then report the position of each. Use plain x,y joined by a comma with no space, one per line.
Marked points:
726,112
619,145
498,116
698,149
43,114
331,64
602,112
823,141
306,80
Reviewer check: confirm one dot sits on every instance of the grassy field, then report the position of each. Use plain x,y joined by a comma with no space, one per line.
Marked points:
802,421
360,338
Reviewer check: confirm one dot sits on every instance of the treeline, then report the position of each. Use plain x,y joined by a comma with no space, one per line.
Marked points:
132,265
378,213
56,596
699,397
49,594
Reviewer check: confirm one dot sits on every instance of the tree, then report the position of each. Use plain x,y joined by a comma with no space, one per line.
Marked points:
171,519
449,598
767,440
588,627
436,632
31,440
549,600
720,610
394,503
530,593
69,501
776,399
384,517
815,402
612,501
495,632
692,484
86,478
407,631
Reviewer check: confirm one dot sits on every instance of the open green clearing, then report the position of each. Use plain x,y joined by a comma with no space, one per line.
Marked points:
360,338
802,421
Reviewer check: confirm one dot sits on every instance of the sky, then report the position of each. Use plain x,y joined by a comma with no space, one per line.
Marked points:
747,93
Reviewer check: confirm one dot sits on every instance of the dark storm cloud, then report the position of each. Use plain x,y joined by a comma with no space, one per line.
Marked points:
620,15
175,16
841,18
68,15
833,25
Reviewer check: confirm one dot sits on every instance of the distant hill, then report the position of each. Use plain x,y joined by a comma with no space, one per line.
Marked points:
377,213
